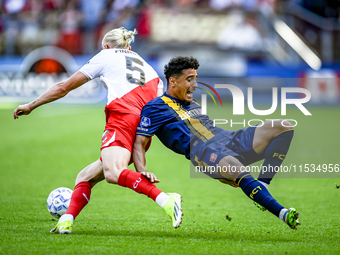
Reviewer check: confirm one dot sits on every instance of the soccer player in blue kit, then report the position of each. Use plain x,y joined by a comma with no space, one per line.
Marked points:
176,119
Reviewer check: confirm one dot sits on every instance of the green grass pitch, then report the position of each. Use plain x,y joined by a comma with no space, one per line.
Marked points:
47,149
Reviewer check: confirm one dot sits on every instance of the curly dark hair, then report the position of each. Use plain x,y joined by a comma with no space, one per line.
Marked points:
176,66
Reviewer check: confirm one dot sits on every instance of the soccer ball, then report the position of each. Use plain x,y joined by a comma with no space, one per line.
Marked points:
58,201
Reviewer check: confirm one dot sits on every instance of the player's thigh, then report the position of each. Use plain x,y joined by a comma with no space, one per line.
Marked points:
241,144
93,173
114,159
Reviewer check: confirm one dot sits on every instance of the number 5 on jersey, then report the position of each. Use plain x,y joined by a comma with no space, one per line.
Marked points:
132,64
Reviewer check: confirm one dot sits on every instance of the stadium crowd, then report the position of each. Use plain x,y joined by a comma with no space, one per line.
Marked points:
78,25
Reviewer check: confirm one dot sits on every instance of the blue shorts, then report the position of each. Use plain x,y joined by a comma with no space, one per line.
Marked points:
238,144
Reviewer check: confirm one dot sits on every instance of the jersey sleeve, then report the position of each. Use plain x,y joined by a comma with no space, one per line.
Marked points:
94,67
151,120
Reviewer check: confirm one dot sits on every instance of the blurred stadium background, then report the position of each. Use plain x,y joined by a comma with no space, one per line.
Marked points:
44,41
248,43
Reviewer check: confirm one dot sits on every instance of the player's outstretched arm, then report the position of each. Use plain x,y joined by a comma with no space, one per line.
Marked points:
139,157
56,92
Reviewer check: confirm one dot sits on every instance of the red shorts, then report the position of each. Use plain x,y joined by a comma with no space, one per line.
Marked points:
120,130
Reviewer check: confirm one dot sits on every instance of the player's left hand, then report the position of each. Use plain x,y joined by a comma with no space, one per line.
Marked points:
150,176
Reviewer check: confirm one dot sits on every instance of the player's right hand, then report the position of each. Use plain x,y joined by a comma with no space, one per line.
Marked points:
150,176
22,110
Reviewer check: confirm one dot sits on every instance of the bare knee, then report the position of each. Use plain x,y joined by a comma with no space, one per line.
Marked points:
266,133
111,175
112,170
230,167
115,160
283,125
273,128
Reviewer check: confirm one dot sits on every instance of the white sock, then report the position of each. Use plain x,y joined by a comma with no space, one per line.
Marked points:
66,217
264,184
161,199
282,214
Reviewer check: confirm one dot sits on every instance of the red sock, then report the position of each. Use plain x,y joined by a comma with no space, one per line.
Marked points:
80,197
137,182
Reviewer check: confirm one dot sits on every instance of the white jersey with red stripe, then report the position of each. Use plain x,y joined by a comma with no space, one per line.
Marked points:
130,81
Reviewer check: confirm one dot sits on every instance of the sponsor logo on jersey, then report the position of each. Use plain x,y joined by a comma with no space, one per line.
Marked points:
213,157
145,122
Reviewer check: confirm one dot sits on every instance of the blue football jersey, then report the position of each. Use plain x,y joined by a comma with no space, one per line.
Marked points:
176,123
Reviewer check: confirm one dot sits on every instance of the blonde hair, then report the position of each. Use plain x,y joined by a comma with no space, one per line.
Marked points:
119,38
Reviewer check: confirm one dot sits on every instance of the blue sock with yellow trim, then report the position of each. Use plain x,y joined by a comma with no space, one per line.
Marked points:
275,153
257,192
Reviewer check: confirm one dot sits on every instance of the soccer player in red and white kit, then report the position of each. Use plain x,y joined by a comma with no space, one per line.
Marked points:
131,83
